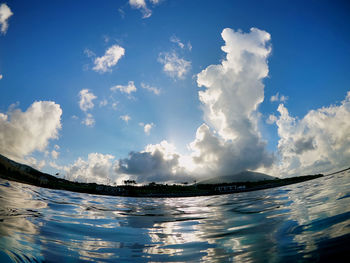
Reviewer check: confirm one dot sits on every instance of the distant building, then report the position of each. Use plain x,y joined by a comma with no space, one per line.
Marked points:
229,188
225,188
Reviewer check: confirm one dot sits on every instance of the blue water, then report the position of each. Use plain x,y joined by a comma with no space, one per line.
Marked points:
304,222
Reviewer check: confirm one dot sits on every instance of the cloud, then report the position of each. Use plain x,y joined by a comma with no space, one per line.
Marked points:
277,97
121,12
147,127
89,120
141,4
97,169
304,144
31,161
229,141
274,97
110,59
85,104
319,142
89,53
233,91
272,119
189,46
56,166
174,66
125,118
5,14
128,89
158,163
103,103
22,133
214,155
86,99
155,90
54,154
137,3
1,76
106,38
114,105
155,2
177,41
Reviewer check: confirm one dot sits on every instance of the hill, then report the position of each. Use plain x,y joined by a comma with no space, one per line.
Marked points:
245,176
245,181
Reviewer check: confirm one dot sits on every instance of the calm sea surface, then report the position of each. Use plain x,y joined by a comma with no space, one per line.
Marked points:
304,222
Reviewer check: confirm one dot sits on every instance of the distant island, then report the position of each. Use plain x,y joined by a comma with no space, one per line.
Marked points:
14,171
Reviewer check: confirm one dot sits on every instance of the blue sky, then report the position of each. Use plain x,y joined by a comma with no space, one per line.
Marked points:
49,51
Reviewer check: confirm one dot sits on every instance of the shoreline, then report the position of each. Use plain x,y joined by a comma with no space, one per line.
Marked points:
13,171
133,191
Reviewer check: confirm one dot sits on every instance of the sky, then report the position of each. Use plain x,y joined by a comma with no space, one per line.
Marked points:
174,91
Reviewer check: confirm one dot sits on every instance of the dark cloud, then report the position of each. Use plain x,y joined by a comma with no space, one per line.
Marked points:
154,164
304,144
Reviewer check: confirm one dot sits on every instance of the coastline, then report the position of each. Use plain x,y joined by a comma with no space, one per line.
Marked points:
13,171
174,191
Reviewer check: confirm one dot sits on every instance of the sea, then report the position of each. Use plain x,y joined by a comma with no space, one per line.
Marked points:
304,222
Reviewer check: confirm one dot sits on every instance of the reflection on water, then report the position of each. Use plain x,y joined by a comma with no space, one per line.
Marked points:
309,221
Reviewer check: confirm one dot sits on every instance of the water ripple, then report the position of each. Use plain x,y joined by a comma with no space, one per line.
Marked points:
308,221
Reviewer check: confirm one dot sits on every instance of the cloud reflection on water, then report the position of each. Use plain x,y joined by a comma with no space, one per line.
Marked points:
294,222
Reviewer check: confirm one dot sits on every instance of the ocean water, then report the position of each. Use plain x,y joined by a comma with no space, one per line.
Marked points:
305,222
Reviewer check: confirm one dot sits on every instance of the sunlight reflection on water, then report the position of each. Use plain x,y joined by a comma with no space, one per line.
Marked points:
302,222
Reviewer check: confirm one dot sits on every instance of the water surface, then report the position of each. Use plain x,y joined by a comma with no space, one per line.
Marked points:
304,222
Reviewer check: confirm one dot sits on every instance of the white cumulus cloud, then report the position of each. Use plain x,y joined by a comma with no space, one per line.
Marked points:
31,161
128,89
319,142
21,133
233,91
137,3
173,65
158,163
109,59
86,100
85,104
141,4
5,14
229,141
98,168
